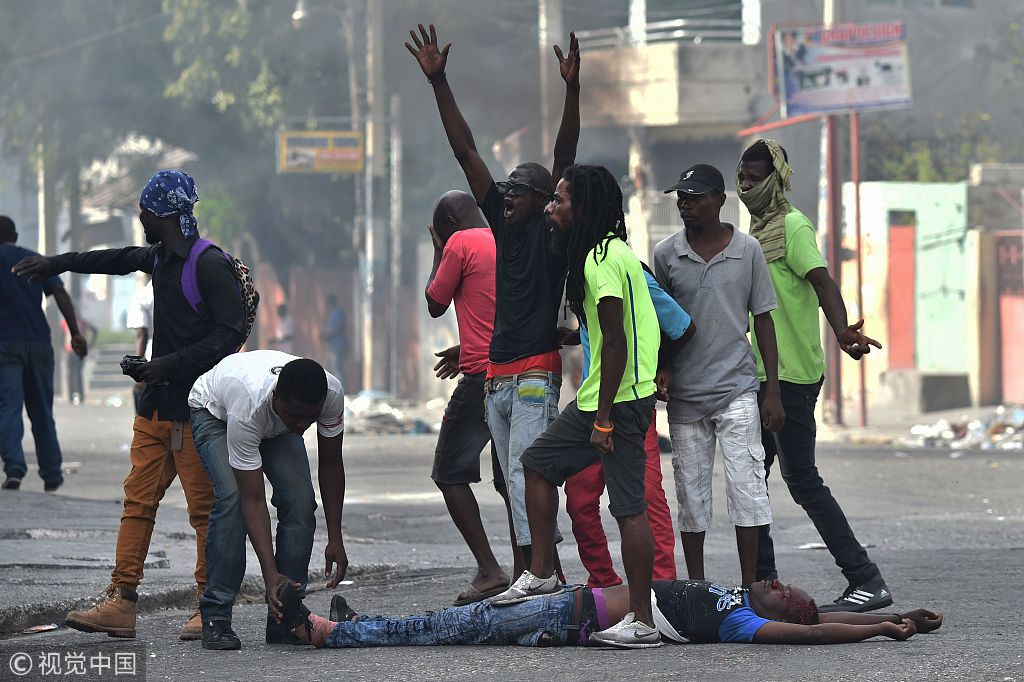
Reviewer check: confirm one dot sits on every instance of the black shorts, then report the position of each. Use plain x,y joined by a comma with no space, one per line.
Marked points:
565,449
464,434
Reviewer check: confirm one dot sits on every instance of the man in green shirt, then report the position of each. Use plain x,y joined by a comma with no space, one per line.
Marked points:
608,421
802,283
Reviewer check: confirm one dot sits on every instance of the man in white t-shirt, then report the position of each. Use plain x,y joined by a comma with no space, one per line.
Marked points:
248,414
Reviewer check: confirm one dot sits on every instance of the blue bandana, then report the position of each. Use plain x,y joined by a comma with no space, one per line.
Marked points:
171,192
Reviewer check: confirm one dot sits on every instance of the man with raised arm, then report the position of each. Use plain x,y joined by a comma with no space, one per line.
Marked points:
524,372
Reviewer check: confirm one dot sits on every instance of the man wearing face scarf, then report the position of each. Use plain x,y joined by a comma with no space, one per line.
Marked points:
802,284
186,344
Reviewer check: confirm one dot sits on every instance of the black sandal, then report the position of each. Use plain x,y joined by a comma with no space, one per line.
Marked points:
340,610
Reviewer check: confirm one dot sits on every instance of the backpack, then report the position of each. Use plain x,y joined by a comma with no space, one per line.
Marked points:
190,281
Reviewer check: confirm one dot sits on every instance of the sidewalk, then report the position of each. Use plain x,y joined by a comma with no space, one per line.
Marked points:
56,554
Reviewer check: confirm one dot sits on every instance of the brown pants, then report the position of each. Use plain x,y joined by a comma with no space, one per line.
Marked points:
158,455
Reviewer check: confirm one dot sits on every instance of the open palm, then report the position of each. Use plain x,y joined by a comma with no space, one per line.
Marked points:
431,59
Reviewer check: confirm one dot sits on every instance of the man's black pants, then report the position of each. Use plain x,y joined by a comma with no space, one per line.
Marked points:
794,447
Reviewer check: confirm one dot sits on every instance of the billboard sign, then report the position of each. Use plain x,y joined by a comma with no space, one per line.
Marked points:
319,151
842,68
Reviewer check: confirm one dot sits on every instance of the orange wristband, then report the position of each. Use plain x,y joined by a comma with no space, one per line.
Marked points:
604,429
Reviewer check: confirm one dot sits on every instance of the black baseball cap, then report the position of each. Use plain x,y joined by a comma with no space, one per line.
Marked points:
699,179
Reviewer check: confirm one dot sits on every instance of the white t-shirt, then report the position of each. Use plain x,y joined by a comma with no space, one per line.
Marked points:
239,391
140,314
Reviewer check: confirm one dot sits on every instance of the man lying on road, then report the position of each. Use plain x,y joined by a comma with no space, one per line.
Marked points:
684,611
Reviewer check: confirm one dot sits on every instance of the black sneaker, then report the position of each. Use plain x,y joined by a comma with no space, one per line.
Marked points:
278,633
340,610
12,483
861,598
218,636
51,486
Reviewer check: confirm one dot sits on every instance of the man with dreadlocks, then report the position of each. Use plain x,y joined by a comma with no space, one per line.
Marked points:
802,284
524,373
608,420
185,344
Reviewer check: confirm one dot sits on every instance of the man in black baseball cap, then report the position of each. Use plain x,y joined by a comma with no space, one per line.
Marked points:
720,274
699,178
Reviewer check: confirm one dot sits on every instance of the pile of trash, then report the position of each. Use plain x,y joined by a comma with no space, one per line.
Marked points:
1003,429
375,413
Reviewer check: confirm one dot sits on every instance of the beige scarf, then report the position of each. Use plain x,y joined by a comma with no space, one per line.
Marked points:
768,205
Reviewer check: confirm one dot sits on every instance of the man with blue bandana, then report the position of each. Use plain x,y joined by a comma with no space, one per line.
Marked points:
187,342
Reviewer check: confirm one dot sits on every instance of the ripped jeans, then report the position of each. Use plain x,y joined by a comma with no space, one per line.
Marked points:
477,623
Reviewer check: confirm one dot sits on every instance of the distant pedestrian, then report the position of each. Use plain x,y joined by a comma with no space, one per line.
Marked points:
26,364
285,339
336,336
74,365
186,343
140,318
720,275
803,284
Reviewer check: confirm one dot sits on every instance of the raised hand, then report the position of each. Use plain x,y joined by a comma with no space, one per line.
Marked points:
431,59
569,66
435,238
854,343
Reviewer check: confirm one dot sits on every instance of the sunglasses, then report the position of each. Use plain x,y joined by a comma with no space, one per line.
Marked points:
518,189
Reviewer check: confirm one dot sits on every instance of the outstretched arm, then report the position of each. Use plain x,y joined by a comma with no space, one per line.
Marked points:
432,61
831,633
924,620
851,339
569,130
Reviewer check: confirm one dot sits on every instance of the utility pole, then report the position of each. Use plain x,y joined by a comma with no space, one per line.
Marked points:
396,239
637,162
831,200
549,31
373,169
47,242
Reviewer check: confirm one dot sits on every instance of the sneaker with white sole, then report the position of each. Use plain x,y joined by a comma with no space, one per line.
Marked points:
861,598
628,633
528,587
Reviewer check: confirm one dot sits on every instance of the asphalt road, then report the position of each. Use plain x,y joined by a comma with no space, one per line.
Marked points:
948,533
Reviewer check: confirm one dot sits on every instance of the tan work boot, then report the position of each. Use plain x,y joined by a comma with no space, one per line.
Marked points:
193,627
114,615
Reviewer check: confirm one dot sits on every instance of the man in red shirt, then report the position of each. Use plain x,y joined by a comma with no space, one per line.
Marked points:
463,272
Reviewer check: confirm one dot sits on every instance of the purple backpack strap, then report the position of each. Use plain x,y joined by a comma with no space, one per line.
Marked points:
189,279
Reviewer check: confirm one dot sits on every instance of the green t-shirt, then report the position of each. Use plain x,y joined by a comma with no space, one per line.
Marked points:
619,275
797,330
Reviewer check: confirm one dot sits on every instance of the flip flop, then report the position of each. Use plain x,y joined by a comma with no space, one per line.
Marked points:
473,595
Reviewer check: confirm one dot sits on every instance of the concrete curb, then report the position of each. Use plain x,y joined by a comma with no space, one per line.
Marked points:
14,619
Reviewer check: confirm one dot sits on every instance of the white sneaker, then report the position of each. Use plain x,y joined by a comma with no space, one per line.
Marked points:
628,633
528,587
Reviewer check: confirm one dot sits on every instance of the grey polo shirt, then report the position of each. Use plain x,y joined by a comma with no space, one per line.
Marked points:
717,364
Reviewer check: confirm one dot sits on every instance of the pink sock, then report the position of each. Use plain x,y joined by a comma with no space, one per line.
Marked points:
321,629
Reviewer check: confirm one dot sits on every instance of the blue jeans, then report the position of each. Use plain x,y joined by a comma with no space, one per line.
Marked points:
287,468
517,411
477,623
26,379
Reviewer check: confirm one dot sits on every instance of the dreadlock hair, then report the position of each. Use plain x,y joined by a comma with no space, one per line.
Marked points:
759,152
597,218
